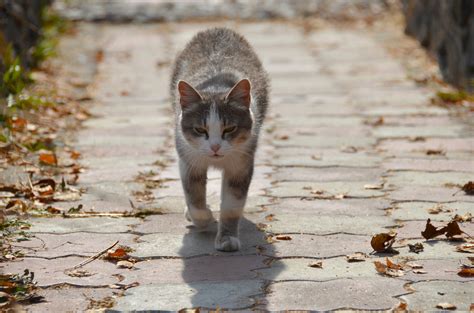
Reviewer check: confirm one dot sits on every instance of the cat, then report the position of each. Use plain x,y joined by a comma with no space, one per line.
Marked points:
219,92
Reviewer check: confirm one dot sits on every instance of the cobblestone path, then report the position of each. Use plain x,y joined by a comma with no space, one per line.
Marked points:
343,156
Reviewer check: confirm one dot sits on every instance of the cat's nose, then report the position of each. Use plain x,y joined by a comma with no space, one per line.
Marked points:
215,147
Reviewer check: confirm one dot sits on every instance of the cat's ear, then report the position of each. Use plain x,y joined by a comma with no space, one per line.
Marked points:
240,93
187,94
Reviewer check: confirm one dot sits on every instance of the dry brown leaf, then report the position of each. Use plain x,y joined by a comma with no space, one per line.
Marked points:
420,271
402,307
446,306
415,265
99,55
416,247
16,205
283,137
435,152
270,217
438,208
463,218
383,241
389,269
466,248
48,158
431,231
125,264
124,286
373,186
118,254
75,155
466,272
452,229
53,210
316,264
283,237
468,188
356,257
261,226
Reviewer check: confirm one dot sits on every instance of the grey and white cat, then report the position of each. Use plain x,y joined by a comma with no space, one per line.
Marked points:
219,93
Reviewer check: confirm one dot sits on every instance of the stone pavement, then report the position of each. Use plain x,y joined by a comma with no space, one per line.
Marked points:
324,144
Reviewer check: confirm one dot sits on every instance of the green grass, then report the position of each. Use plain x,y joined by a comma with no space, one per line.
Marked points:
455,96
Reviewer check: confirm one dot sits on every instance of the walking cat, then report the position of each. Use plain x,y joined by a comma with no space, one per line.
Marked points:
219,94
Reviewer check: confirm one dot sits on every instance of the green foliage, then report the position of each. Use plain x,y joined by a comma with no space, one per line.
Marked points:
14,78
52,26
455,96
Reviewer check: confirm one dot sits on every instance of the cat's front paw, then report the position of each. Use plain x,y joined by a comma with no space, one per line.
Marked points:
200,218
227,243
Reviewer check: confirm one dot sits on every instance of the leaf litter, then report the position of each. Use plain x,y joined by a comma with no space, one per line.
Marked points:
383,242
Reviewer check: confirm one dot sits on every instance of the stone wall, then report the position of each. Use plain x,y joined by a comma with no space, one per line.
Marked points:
20,25
446,29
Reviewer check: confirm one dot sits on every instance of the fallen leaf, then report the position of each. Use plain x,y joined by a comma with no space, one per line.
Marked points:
44,187
373,186
446,306
356,257
118,254
382,242
390,269
16,205
438,208
99,55
316,157
435,152
463,218
270,217
402,307
53,210
392,265
125,264
452,229
283,237
283,137
79,273
468,188
416,247
466,248
316,264
415,265
48,158
420,271
75,155
466,272
124,286
375,122
261,226
124,93
349,149
431,231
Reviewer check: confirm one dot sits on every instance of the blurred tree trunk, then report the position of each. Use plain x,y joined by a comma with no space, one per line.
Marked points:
446,29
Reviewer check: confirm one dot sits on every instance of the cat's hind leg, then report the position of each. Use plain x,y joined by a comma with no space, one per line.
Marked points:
235,187
194,182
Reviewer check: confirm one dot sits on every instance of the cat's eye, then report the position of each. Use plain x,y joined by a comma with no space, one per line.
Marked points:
200,130
230,129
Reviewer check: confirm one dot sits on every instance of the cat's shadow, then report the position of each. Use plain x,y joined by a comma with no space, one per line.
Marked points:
225,280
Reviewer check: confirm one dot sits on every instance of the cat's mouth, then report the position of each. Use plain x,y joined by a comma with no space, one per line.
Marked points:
216,156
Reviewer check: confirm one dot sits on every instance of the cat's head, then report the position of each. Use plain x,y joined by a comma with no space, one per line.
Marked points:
216,123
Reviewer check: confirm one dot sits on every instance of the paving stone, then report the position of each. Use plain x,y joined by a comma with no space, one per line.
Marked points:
299,269
418,131
430,194
326,141
349,207
438,179
52,272
389,110
329,158
197,269
324,225
225,295
429,294
433,165
406,211
434,249
68,299
73,244
305,189
437,270
446,144
312,246
413,229
327,174
74,225
362,293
